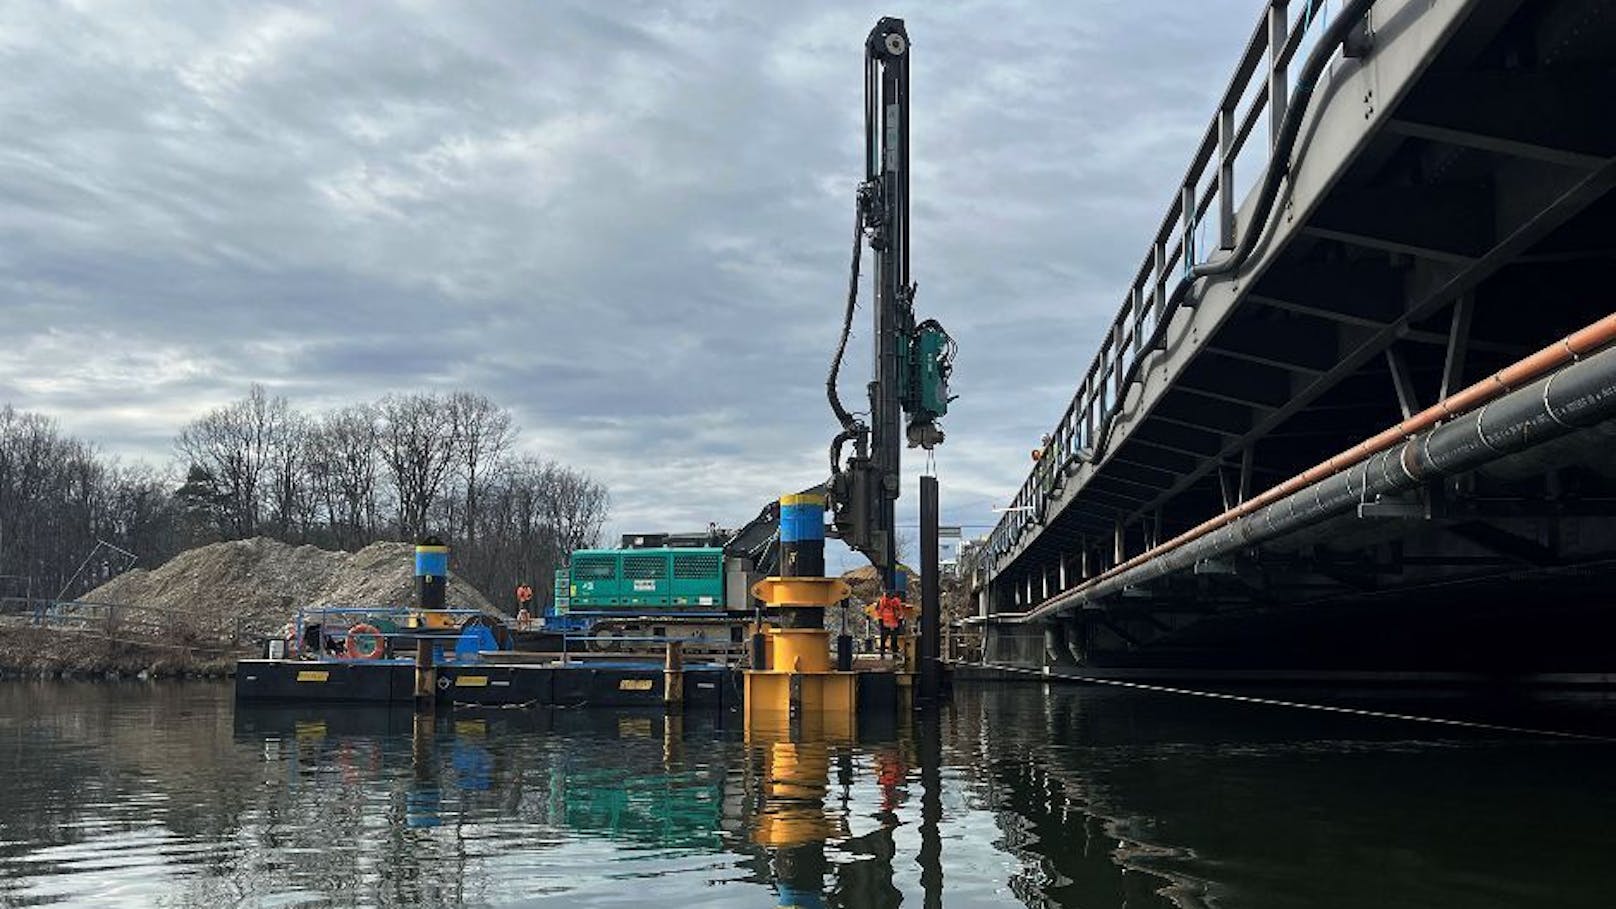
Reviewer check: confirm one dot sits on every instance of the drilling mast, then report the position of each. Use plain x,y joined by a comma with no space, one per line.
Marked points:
912,363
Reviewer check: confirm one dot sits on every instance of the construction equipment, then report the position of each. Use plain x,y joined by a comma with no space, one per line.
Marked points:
660,585
793,688
694,586
913,360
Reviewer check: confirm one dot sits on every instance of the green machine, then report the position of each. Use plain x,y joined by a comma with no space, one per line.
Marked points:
696,586
641,578
928,356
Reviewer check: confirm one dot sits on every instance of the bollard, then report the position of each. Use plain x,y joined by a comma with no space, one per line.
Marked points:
431,572
673,675
426,675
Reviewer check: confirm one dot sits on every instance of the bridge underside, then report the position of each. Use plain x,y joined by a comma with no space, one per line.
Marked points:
1469,227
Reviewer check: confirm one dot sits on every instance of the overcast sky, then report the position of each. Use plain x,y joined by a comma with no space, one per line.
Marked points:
628,222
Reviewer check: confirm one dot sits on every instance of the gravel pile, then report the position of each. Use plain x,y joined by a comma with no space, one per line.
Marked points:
866,583
252,587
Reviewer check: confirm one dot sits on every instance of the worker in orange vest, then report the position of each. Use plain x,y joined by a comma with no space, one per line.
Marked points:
524,595
889,774
888,614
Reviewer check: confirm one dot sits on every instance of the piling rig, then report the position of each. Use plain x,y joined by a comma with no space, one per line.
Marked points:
908,391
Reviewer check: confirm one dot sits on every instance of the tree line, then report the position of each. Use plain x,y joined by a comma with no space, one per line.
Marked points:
400,468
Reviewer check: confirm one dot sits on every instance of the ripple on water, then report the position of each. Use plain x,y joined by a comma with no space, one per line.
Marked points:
1062,798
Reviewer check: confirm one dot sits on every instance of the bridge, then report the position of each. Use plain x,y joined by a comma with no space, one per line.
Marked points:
1355,411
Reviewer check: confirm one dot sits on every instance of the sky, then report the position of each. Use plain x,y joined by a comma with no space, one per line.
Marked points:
627,222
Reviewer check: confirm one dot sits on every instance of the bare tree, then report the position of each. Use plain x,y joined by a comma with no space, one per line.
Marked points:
256,465
532,517
233,445
418,447
344,454
291,494
575,507
484,433
59,499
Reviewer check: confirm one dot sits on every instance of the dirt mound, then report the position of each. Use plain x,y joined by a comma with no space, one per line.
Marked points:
866,584
251,587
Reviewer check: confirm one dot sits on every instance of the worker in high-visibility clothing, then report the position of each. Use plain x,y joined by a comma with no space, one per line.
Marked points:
888,612
524,596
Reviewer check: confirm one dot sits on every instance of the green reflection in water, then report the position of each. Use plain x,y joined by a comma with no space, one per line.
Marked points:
128,795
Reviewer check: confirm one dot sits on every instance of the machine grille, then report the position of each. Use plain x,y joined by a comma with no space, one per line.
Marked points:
695,567
645,567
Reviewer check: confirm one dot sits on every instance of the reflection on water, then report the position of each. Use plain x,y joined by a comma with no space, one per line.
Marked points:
126,795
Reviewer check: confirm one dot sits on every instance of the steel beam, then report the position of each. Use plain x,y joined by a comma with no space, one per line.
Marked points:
1111,477
1197,454
1402,382
1339,130
1494,144
1509,545
1264,360
1223,420
1442,287
1453,363
1359,321
1226,398
1445,221
1389,245
1559,116
1122,460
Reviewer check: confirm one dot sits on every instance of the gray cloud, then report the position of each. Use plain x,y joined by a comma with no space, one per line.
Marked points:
627,222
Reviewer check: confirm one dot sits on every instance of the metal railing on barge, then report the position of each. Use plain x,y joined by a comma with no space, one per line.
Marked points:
573,643
123,623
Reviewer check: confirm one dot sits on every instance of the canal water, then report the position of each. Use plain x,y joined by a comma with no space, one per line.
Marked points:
129,794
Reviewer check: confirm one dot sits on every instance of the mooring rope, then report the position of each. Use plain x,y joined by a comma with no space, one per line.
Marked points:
1349,711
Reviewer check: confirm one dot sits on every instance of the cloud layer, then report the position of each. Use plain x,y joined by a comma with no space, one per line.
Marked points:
626,222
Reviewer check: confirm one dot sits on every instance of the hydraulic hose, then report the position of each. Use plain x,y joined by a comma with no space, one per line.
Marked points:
831,391
1278,168
1279,165
851,428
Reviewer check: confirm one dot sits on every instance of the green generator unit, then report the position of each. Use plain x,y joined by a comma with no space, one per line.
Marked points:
563,592
671,578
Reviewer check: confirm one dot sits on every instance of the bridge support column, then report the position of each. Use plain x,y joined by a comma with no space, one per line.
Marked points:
1076,639
1056,650
1063,585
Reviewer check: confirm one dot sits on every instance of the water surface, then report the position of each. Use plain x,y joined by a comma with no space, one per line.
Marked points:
169,795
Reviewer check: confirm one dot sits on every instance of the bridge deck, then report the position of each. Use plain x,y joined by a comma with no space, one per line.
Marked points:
1443,214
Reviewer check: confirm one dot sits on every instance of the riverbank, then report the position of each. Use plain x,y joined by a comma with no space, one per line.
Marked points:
39,653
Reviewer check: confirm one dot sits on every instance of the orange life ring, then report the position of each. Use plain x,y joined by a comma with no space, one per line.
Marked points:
374,652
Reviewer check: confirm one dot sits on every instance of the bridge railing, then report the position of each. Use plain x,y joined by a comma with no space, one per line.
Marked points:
1225,164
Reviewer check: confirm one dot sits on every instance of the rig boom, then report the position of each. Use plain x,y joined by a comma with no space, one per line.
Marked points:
909,383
